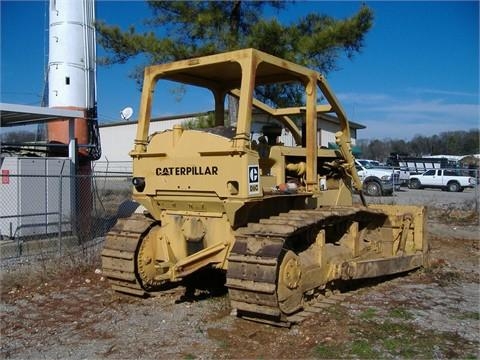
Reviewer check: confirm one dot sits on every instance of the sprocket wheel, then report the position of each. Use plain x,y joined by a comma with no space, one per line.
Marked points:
289,289
146,270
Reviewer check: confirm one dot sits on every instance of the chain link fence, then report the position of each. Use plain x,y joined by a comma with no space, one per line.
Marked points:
48,212
45,211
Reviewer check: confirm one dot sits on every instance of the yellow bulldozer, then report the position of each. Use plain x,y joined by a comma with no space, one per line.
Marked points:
278,220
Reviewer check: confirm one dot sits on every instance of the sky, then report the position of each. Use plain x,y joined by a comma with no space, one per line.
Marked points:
418,73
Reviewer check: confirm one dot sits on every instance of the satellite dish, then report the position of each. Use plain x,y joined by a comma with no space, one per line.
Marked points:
126,113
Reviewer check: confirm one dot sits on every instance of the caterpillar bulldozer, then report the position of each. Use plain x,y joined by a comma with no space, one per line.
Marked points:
278,220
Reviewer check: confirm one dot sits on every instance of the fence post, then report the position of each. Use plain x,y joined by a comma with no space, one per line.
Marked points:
60,208
477,179
72,151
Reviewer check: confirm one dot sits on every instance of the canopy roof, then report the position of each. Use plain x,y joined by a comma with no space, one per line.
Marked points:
15,114
225,69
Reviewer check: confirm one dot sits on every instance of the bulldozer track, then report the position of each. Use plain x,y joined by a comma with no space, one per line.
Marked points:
253,264
313,307
322,302
120,252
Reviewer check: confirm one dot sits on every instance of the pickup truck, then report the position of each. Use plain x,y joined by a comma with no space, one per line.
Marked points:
401,177
444,179
376,181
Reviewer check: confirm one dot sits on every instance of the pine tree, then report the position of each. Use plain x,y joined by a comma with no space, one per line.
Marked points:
186,29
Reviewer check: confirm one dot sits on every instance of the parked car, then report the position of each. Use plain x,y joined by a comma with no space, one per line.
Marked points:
376,181
444,179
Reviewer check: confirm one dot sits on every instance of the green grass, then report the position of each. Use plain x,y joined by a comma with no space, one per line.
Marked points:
363,349
388,328
368,314
468,315
373,335
324,351
400,313
398,346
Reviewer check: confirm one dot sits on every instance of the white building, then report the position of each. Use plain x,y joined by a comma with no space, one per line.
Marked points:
117,138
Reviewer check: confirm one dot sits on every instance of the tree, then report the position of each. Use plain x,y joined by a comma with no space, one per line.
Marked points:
198,28
377,150
200,122
420,145
399,146
471,142
446,143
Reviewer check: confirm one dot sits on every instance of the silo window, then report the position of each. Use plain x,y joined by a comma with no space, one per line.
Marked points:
67,80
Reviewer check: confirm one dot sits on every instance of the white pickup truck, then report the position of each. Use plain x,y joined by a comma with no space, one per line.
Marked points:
401,176
376,181
444,179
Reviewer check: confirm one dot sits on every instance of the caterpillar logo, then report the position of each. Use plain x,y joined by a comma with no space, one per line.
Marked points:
187,170
253,179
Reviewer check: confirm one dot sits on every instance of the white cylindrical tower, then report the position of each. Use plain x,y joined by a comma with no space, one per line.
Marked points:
71,64
72,73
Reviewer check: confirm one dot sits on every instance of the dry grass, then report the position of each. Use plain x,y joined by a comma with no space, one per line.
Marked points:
45,268
465,214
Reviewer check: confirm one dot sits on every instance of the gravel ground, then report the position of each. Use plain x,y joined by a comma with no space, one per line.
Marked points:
430,313
434,198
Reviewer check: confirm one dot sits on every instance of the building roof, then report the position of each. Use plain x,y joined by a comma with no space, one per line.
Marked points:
325,117
334,119
154,119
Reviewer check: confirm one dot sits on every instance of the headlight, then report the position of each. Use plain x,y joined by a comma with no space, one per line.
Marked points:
471,181
386,177
139,183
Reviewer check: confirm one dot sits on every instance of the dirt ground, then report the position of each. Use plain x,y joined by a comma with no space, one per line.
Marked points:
429,313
